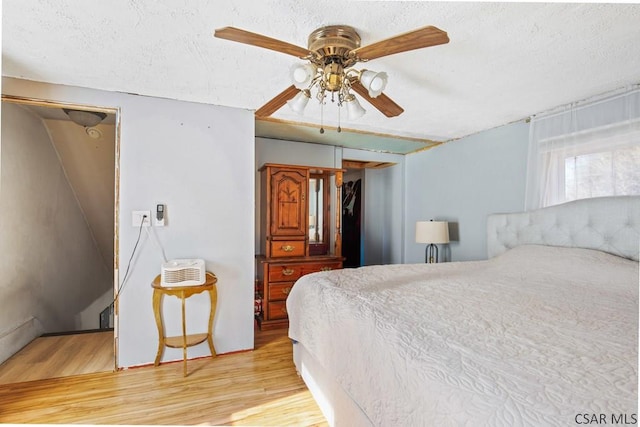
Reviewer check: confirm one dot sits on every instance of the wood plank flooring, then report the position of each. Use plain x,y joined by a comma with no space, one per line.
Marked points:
257,387
60,356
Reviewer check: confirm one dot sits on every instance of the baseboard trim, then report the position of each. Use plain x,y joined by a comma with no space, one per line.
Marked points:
84,331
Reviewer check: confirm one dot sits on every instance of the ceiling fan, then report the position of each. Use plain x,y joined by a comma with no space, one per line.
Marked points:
332,51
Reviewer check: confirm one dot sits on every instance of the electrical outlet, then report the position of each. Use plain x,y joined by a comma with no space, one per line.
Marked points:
138,217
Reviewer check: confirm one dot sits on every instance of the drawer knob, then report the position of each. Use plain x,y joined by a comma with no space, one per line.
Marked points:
325,268
287,248
287,271
286,290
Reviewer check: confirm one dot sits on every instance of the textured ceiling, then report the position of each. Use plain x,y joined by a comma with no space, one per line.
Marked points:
505,61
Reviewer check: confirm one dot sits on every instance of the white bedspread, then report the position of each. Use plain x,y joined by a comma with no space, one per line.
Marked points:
532,337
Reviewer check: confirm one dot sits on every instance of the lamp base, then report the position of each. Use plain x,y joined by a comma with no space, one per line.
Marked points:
431,254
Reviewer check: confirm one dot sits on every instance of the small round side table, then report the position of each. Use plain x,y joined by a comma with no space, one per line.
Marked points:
183,292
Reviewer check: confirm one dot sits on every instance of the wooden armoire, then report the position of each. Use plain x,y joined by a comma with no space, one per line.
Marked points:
298,235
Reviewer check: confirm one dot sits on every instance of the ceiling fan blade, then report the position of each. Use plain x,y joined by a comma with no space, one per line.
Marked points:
417,39
246,37
382,102
278,101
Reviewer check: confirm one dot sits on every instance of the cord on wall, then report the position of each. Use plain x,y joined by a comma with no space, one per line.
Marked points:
126,274
135,247
153,237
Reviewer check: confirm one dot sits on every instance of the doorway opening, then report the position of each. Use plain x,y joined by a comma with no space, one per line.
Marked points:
68,179
353,211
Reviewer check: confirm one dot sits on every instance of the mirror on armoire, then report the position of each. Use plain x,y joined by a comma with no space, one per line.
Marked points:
318,215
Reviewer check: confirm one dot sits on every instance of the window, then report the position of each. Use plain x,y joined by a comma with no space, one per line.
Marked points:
607,173
587,151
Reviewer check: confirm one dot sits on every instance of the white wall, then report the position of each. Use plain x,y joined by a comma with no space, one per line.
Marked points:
199,160
462,182
50,266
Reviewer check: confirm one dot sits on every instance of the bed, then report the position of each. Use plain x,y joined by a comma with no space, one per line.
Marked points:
544,332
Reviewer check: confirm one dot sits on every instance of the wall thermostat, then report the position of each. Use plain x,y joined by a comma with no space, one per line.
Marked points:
159,218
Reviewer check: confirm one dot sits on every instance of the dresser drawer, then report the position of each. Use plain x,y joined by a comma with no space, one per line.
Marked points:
320,266
279,291
287,248
278,273
277,310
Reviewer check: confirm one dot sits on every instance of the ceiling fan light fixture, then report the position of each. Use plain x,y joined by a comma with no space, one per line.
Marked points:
85,118
332,51
299,102
374,82
302,75
354,109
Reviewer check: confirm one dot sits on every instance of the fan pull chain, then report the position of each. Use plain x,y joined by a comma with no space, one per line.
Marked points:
339,109
322,116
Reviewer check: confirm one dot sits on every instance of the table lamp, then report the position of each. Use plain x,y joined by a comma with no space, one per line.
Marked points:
432,232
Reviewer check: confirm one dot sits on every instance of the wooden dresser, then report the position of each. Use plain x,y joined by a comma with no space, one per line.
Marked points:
295,233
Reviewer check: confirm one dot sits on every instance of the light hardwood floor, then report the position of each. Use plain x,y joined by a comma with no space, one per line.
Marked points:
60,356
257,387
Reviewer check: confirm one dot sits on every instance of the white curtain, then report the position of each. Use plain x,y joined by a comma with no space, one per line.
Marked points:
587,149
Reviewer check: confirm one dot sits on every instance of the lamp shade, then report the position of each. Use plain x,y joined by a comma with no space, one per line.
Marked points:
432,232
373,82
299,102
354,109
302,75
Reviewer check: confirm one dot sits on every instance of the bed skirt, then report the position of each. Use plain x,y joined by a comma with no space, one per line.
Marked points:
336,405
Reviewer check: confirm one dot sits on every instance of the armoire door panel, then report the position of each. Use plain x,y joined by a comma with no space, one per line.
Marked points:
289,203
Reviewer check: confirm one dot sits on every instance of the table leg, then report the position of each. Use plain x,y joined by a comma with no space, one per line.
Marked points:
213,296
157,300
184,337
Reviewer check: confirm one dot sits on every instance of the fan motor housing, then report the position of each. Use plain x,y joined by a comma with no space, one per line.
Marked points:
334,41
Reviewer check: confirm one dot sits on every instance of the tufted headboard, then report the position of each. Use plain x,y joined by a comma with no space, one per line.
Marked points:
608,224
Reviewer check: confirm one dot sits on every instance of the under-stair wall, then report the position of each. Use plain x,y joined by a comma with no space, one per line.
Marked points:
89,318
